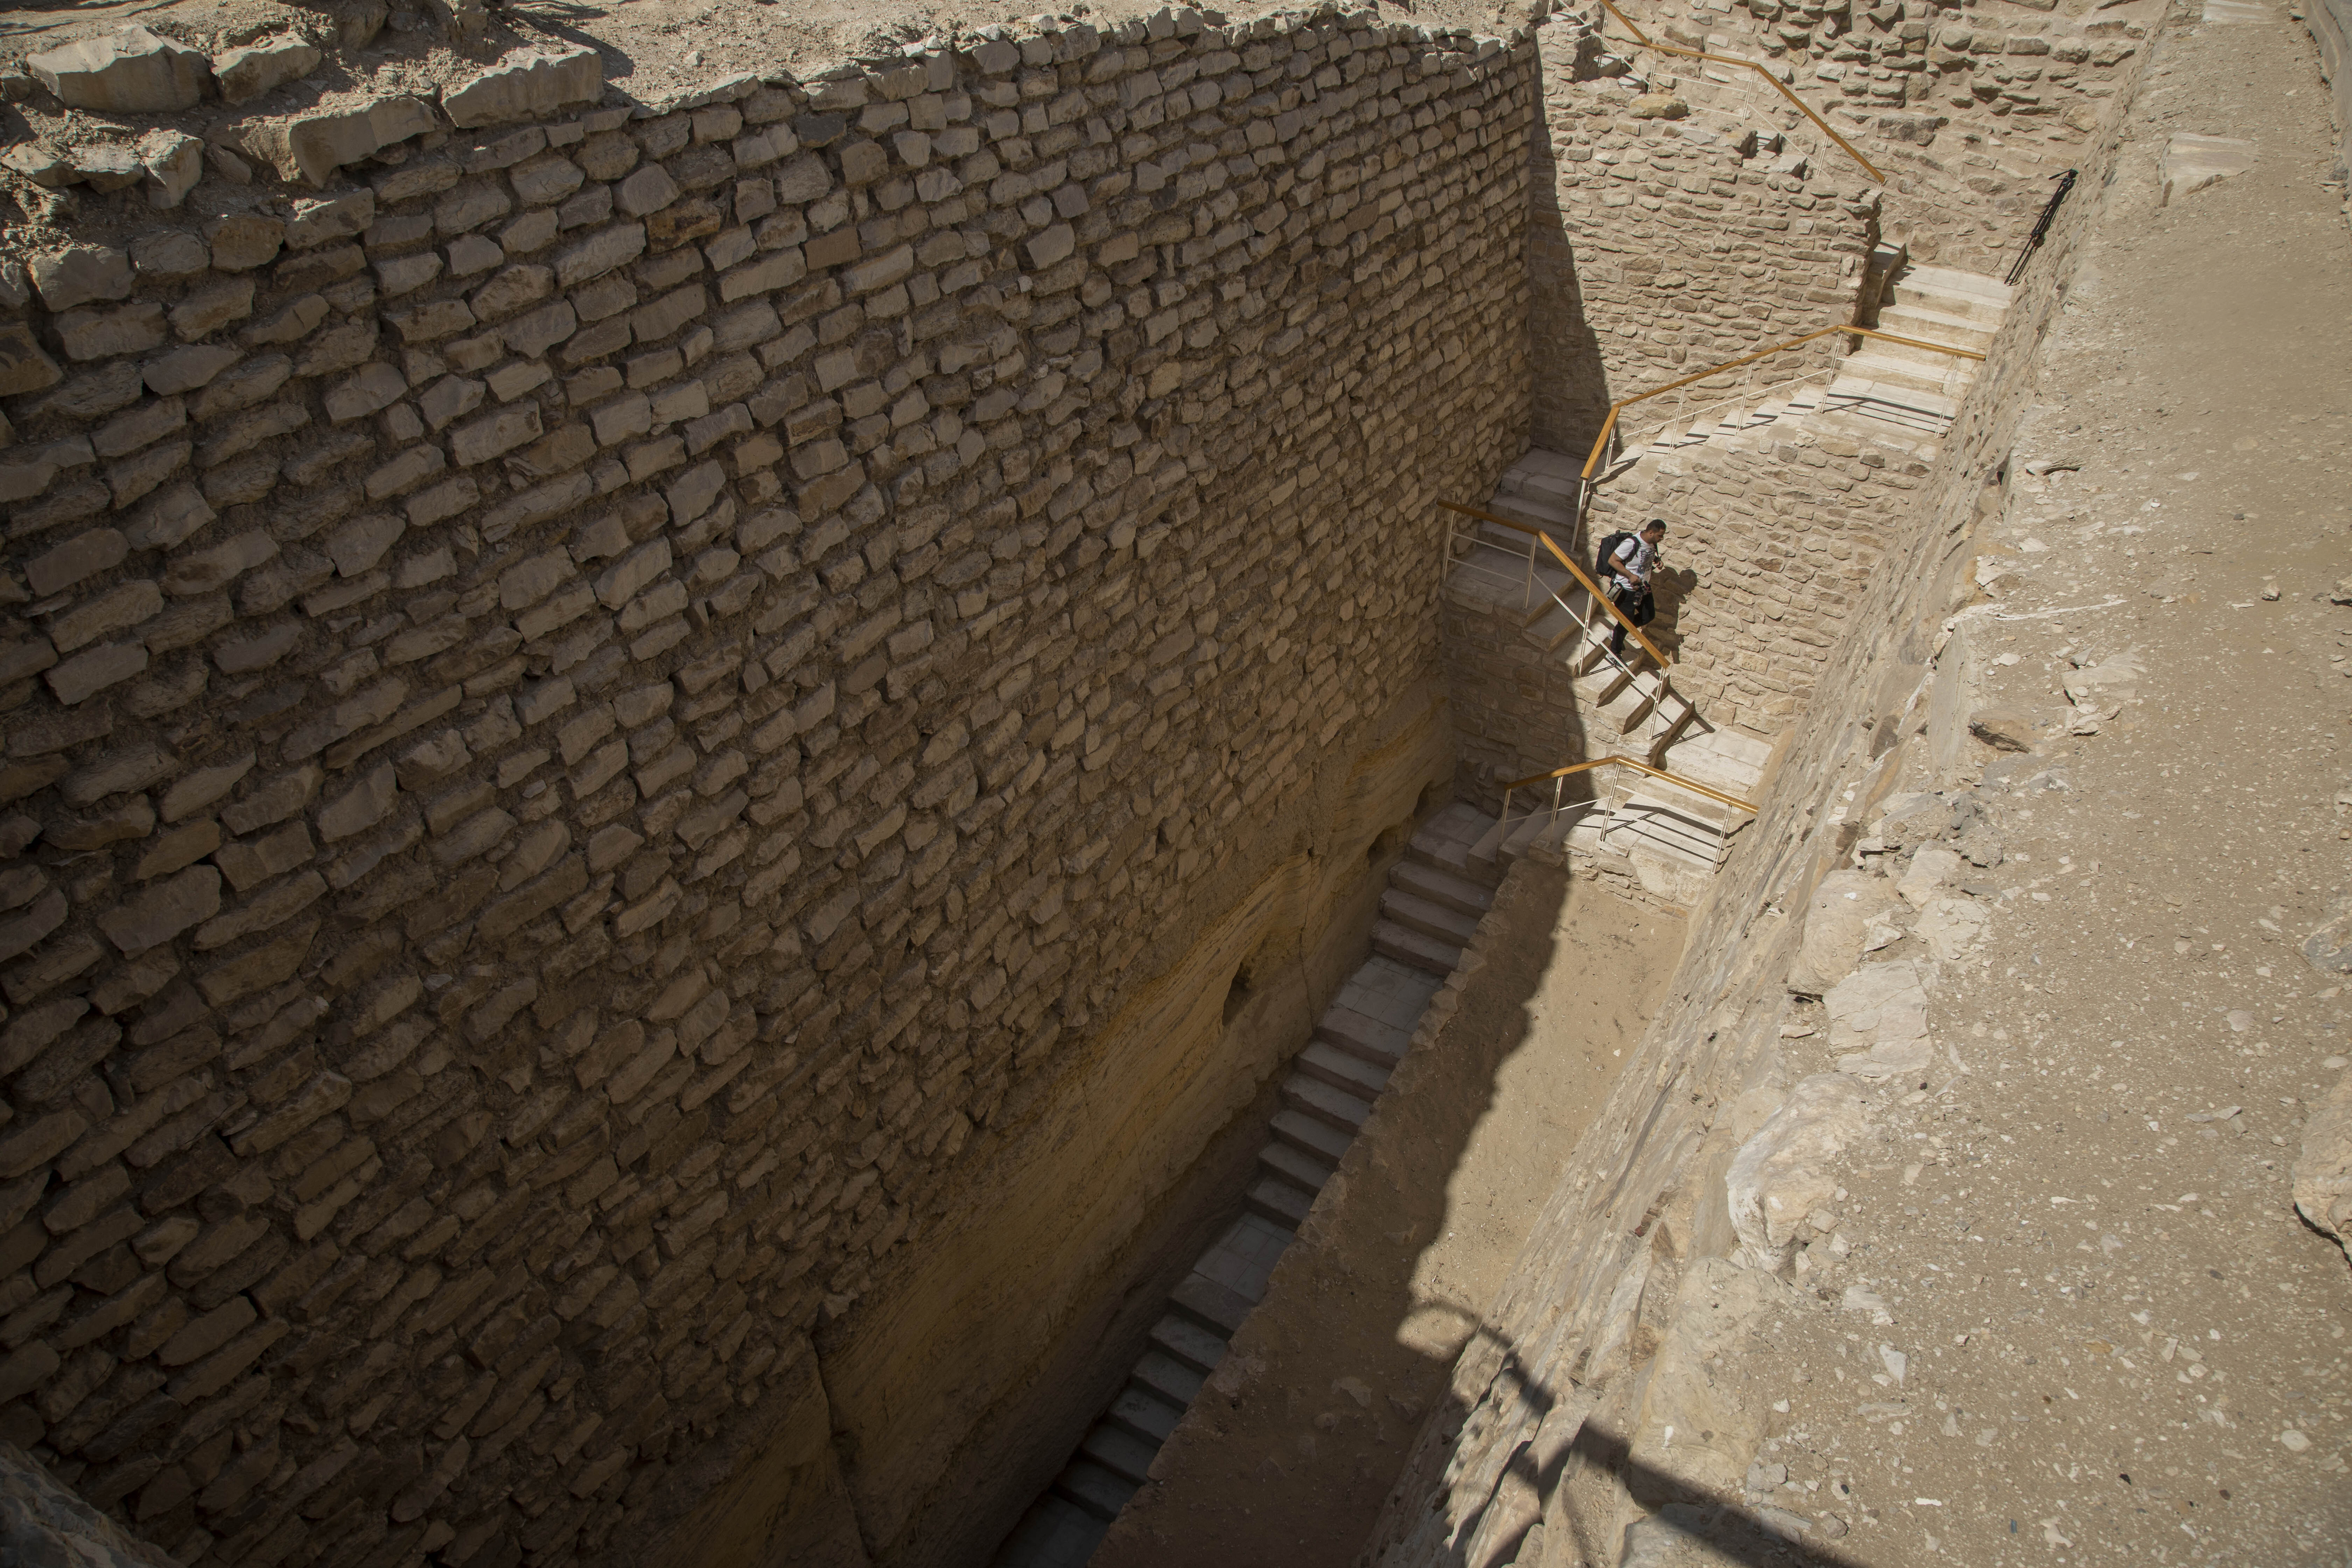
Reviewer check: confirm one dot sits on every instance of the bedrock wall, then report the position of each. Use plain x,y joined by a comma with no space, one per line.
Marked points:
614,727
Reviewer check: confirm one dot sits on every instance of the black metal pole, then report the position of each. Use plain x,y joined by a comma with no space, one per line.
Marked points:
2042,225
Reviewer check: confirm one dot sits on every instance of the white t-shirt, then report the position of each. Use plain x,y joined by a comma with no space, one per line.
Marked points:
1638,554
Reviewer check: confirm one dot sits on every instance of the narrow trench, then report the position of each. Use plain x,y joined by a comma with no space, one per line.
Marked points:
1435,898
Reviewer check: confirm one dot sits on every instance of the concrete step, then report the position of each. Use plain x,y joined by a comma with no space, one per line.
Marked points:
1189,1342
1054,1533
1166,1376
1311,1135
1429,919
1094,1489
1370,1039
1144,1415
1342,1069
1123,1454
1335,1107
1289,1164
1280,1202
1210,1304
1392,940
1443,887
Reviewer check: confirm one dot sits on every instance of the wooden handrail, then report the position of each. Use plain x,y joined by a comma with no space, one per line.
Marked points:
1760,69
1675,779
1600,443
1574,571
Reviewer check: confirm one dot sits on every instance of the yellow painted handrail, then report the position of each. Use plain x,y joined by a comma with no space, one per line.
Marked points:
1675,779
1760,69
1600,443
1573,570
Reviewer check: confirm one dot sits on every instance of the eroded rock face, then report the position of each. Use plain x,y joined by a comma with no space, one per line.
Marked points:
132,71
1788,1168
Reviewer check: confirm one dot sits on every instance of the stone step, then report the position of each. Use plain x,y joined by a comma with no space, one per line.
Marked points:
1210,1304
1295,1166
1311,1135
1094,1489
1936,326
1438,850
1429,919
1924,402
1372,1040
1189,1342
1392,940
1953,281
1168,1376
1122,1452
1394,993
1888,374
1342,1069
1335,1107
1524,832
1054,1533
1443,887
1651,823
1280,1202
1144,1415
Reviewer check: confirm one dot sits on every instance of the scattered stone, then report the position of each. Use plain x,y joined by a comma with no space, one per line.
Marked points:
2190,162
2099,691
526,84
46,167
1837,925
248,72
130,72
107,166
2328,949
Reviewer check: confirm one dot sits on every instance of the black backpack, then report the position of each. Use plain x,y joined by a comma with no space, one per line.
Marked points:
1604,561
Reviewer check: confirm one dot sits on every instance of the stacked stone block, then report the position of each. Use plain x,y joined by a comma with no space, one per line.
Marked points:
583,706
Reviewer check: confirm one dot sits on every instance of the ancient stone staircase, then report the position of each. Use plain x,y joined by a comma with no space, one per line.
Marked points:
1890,395
1434,900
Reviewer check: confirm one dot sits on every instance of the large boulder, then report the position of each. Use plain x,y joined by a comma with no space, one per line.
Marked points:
43,1525
132,72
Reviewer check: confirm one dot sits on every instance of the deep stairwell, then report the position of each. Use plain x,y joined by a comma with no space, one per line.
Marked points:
1434,898
1890,395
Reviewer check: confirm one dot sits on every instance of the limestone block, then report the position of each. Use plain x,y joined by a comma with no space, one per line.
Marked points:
78,274
106,165
174,162
98,334
23,366
169,254
243,241
2191,163
248,72
2323,1166
132,72
526,84
312,147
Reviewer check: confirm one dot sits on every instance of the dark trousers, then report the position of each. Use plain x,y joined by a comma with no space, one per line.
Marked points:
1639,607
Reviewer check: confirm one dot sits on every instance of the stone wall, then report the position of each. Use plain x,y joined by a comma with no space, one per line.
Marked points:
2330,23
1687,214
1644,1195
1658,247
602,714
1772,547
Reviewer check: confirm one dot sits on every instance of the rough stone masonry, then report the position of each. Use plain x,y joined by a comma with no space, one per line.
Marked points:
586,693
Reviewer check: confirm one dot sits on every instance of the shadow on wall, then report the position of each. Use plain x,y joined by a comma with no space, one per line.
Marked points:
1571,383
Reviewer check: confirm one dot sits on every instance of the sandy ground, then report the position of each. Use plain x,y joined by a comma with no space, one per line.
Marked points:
650,47
1287,1454
2117,1341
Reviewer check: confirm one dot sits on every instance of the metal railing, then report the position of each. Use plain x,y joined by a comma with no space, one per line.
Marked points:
1654,685
1609,425
1761,69
1558,777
